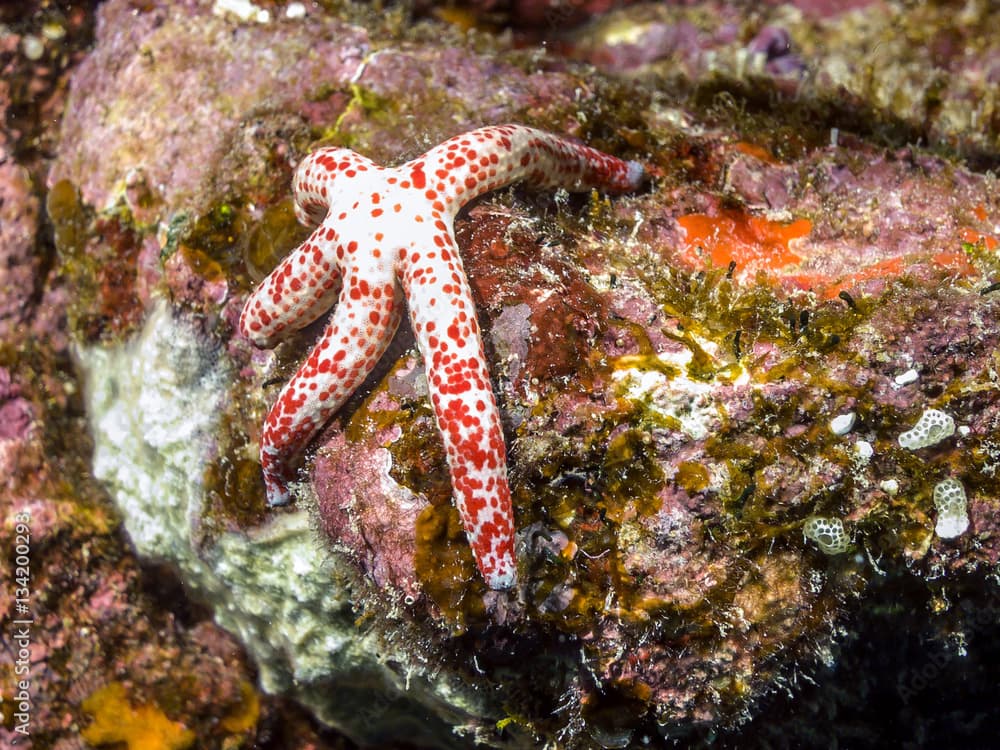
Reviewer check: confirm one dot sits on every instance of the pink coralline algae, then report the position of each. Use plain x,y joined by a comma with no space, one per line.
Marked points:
393,242
18,264
15,411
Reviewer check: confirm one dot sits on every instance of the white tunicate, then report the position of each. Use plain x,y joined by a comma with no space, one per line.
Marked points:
905,378
890,487
952,508
32,47
842,423
932,427
827,533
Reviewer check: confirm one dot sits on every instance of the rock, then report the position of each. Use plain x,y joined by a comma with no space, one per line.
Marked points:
667,365
92,634
851,67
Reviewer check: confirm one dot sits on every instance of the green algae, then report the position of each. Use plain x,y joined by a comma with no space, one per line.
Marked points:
369,107
622,478
983,254
590,497
444,566
229,243
632,478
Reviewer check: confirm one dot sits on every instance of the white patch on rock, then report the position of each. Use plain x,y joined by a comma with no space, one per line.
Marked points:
242,9
842,423
864,451
690,402
154,404
890,487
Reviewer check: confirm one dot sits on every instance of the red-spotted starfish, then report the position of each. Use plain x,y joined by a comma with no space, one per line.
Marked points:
384,235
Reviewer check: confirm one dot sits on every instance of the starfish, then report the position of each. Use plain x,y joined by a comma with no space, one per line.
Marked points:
385,235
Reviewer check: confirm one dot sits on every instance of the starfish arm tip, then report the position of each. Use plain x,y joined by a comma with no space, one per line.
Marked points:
275,482
635,174
278,496
502,581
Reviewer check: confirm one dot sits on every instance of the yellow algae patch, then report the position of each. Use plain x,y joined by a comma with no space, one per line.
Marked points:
201,264
145,727
692,477
244,717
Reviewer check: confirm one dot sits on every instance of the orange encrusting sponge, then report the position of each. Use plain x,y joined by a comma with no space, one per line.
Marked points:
737,237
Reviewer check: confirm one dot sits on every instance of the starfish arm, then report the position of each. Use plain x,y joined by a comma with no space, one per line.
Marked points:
444,323
476,162
303,287
329,177
307,282
362,325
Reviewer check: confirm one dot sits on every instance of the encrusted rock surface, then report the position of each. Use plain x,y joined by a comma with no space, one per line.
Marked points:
893,71
669,366
101,648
